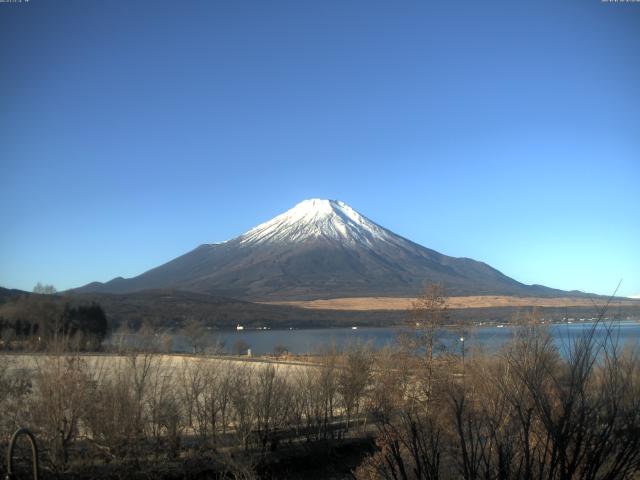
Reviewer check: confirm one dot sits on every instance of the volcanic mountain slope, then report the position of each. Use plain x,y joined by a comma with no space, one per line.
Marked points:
320,249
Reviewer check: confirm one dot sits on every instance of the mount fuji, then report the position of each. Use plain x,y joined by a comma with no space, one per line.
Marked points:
320,249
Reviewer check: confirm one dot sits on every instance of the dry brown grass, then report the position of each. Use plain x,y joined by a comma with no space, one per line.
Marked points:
393,303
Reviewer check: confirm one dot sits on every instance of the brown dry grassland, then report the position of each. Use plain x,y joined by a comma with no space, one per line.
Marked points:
392,303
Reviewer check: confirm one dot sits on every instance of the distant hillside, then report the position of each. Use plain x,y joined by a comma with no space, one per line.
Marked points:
170,308
7,294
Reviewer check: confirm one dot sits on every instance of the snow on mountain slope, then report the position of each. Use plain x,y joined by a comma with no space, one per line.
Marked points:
317,218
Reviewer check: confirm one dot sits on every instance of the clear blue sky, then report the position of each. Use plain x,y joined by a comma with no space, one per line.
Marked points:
133,131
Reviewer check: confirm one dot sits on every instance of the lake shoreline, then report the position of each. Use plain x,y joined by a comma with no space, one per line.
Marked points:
313,340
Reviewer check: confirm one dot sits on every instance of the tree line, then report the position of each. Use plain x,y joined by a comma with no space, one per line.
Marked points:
32,322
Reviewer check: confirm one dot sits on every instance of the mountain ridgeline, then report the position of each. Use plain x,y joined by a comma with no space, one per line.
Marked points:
320,249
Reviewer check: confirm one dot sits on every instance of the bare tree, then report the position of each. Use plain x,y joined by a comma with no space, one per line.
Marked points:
191,385
241,394
195,332
163,415
410,433
16,386
428,314
209,385
317,388
63,386
44,289
391,377
354,378
271,405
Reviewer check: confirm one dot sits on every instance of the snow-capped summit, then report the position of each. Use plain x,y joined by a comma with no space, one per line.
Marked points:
317,219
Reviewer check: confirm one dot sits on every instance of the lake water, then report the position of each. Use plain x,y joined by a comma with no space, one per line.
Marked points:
300,341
